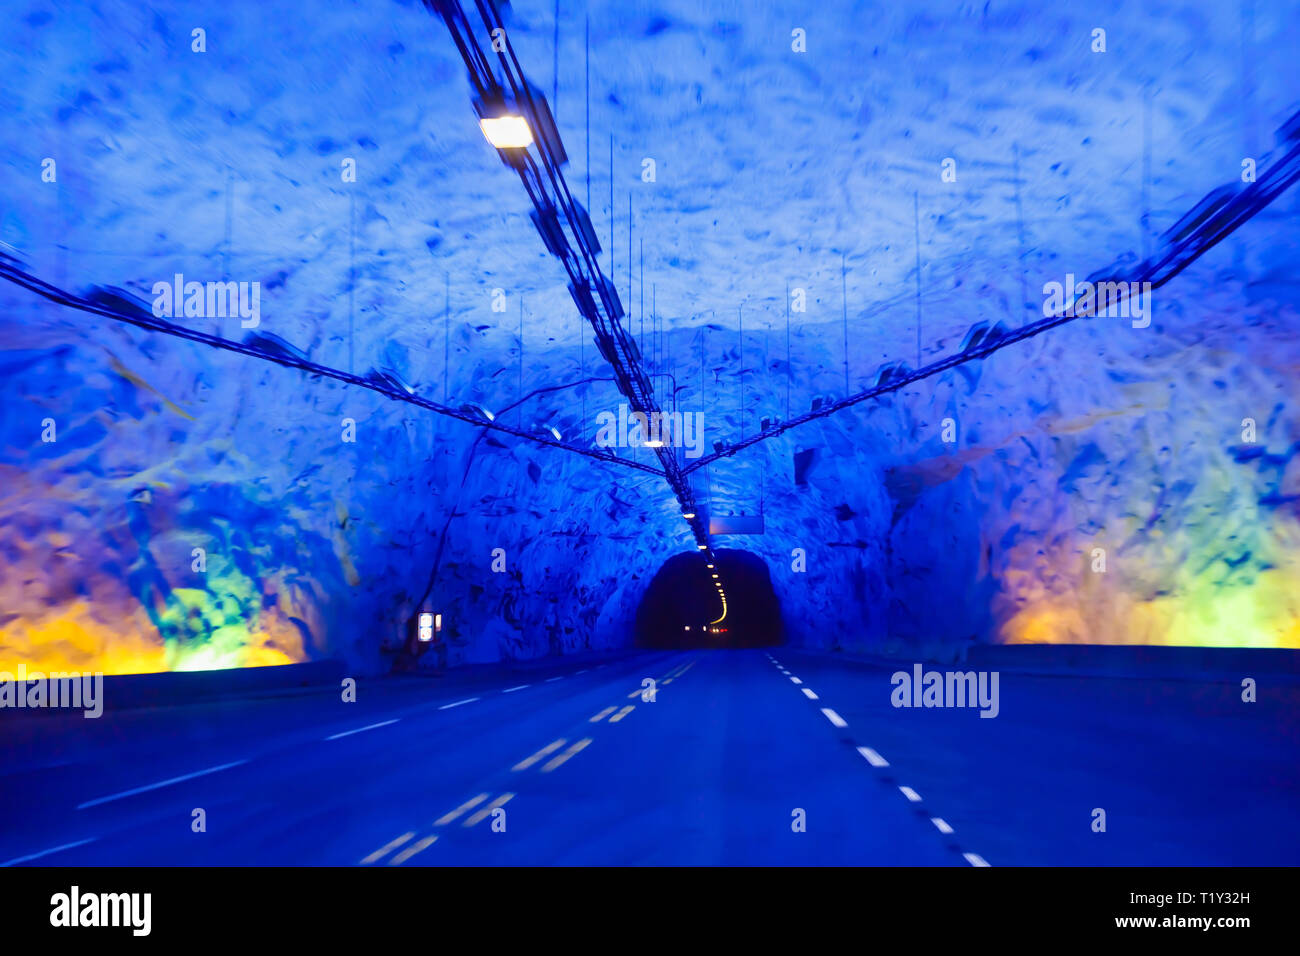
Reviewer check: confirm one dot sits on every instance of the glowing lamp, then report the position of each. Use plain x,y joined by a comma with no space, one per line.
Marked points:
426,625
507,131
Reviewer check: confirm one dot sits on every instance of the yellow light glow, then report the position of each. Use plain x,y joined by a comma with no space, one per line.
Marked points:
507,132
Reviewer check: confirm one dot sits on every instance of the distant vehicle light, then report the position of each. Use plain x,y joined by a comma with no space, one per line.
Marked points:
507,132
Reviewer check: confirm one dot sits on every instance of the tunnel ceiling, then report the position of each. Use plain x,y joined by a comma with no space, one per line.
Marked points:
773,170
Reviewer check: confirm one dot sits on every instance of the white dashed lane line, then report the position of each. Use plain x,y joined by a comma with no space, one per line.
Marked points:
876,760
413,849
834,718
465,807
483,814
545,751
386,849
557,761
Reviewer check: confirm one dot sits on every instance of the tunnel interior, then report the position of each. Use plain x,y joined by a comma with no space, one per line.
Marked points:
722,600
271,402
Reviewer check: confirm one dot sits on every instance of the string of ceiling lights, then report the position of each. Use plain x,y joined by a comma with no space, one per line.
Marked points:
1219,213
121,306
516,119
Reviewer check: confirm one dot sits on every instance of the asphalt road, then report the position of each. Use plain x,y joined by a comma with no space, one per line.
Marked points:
742,757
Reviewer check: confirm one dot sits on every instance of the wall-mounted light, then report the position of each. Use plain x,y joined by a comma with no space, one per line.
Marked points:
474,408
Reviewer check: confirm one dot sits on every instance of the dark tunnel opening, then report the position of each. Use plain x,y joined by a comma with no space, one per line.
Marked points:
685,607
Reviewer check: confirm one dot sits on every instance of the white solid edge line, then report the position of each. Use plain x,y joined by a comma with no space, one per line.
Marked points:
942,824
349,733
974,859
467,700
511,690
155,786
873,758
37,856
834,718
551,679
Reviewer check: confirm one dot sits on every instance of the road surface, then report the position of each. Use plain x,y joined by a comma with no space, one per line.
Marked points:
742,757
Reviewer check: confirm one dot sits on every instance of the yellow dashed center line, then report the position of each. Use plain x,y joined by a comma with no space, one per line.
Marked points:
621,714
486,811
603,714
566,755
413,849
467,805
529,761
387,848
